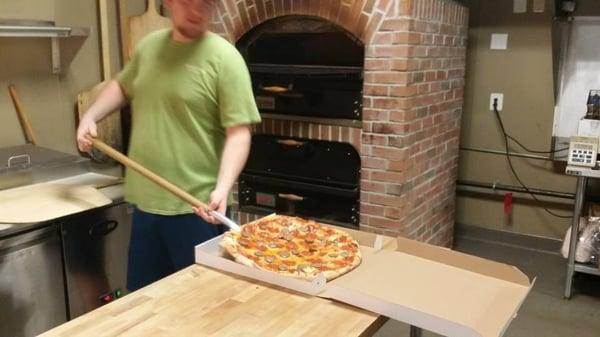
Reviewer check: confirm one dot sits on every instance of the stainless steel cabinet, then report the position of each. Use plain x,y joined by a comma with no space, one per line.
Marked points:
95,247
32,296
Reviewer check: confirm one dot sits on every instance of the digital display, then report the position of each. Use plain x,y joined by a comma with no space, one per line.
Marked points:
265,199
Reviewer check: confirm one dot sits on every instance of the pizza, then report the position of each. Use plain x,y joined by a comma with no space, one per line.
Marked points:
294,247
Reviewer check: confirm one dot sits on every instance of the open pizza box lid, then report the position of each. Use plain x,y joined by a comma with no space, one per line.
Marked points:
434,288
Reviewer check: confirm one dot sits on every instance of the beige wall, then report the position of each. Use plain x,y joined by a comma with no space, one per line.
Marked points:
50,99
523,73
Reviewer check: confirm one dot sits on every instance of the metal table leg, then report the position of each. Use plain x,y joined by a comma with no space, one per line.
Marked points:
415,331
579,198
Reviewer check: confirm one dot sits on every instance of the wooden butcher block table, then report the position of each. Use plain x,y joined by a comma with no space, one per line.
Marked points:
199,301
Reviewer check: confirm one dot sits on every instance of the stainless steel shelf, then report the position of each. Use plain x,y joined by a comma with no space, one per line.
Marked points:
584,268
44,30
573,266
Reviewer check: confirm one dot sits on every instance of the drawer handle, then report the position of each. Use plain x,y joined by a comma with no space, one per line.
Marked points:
291,197
103,228
289,142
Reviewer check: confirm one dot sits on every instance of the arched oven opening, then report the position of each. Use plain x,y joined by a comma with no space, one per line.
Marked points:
307,70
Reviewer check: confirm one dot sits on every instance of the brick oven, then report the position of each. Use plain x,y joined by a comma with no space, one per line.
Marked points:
408,131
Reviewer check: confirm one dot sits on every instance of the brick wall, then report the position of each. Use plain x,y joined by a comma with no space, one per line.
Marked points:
413,97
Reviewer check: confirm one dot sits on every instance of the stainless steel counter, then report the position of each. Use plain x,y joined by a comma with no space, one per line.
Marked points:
56,270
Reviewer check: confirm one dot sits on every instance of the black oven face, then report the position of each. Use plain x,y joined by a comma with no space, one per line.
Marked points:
305,66
310,178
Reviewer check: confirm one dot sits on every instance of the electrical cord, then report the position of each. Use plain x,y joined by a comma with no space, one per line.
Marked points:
534,151
512,169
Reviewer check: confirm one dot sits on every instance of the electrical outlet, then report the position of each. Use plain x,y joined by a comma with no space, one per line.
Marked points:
500,97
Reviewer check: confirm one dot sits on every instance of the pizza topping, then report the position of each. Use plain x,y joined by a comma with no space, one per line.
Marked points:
334,255
284,254
282,268
295,252
344,254
258,253
269,259
273,245
246,234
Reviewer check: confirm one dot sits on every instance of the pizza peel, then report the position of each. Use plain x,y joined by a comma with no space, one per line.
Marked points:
160,181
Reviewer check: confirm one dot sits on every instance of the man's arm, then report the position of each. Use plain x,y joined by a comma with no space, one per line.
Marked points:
109,100
233,159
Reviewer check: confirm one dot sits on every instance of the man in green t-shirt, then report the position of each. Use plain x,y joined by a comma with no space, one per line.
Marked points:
192,105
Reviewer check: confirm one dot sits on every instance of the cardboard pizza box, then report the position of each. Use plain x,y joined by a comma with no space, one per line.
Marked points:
434,288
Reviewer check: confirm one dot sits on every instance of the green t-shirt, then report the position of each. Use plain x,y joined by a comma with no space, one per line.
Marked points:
183,96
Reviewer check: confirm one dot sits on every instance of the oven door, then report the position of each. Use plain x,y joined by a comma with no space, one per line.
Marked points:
264,195
308,91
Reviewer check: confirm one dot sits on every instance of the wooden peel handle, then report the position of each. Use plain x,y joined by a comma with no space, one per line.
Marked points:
25,124
123,159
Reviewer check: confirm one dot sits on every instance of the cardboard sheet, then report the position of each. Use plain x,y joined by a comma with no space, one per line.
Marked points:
430,287
43,202
442,298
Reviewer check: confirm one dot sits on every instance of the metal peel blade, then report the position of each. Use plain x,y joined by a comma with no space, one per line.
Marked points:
225,221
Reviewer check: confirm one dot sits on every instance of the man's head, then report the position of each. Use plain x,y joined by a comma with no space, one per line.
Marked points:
191,18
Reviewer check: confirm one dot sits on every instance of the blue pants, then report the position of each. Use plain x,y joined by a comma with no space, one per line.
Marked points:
163,244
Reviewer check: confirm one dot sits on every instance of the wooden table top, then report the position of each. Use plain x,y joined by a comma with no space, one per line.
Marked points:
198,301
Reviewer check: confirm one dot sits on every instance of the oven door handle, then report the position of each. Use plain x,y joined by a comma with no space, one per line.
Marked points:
290,197
277,89
289,142
281,90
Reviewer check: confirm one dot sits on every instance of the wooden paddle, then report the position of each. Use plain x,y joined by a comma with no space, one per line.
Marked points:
139,26
110,127
160,181
23,118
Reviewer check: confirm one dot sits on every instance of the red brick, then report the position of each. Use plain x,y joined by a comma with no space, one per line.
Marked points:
377,64
387,200
371,209
406,38
373,139
390,153
384,222
403,91
398,165
390,177
395,25
394,212
402,115
375,115
389,51
393,103
386,77
372,186
376,90
382,38
390,128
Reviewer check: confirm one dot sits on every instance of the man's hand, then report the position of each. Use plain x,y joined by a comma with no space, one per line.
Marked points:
87,127
218,202
111,98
